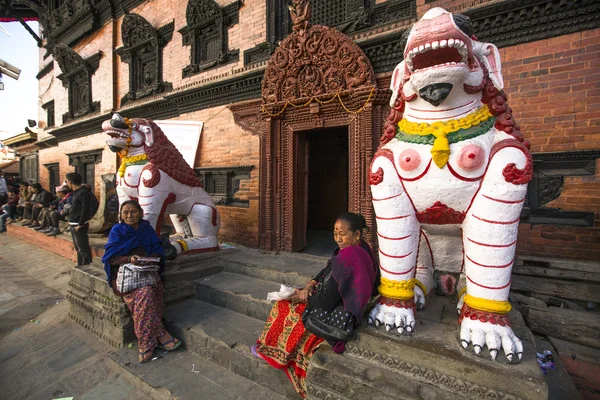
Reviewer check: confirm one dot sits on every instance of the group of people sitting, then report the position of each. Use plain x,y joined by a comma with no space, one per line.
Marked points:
35,207
341,290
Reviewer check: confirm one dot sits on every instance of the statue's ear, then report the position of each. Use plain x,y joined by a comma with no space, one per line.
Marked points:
148,134
396,82
488,54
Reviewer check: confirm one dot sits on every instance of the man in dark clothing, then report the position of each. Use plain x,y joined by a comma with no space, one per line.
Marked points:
79,217
43,199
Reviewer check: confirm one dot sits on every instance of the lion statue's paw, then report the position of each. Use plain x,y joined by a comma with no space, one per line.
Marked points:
394,314
480,329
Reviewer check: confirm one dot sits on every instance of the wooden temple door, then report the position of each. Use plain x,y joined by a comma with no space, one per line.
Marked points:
300,203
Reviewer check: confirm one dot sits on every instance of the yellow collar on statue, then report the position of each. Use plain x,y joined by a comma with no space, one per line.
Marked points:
133,160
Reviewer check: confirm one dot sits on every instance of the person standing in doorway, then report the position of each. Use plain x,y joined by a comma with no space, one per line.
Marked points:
3,189
79,217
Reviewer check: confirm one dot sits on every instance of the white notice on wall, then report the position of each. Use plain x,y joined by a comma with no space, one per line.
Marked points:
185,135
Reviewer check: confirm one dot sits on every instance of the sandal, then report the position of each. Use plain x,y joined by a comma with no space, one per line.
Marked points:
176,344
145,359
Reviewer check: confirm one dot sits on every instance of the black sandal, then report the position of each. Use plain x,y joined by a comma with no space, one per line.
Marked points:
144,360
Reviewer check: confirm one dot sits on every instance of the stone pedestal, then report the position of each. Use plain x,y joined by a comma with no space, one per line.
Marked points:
95,306
430,364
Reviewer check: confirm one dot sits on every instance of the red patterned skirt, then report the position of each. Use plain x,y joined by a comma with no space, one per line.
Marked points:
286,345
146,305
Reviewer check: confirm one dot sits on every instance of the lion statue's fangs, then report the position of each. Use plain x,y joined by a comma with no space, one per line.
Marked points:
154,173
448,184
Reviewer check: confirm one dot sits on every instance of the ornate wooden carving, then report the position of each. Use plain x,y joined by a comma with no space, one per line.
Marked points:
345,15
77,78
206,33
142,50
312,61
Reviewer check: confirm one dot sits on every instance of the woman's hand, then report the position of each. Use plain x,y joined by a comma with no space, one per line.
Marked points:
301,295
135,260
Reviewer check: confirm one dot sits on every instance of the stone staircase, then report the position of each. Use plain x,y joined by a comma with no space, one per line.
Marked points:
228,310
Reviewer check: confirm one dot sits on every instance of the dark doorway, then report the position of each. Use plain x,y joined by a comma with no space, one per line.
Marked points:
321,187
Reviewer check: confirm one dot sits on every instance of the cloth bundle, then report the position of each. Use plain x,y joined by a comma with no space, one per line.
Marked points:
131,277
285,292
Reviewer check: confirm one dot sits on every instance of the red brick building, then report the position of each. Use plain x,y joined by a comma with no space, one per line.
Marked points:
207,60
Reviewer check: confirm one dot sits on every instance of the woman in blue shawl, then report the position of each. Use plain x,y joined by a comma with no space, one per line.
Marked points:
129,240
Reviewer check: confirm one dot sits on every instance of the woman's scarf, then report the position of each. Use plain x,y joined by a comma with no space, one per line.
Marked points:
123,238
354,271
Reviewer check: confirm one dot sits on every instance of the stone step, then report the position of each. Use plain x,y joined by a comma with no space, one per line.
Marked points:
224,337
59,244
183,375
339,377
292,269
239,293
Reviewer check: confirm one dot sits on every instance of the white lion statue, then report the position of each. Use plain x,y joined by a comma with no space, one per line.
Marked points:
154,173
448,182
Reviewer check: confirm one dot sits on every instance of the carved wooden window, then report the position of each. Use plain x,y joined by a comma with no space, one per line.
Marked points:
84,164
29,167
206,33
222,184
49,107
54,176
77,78
142,50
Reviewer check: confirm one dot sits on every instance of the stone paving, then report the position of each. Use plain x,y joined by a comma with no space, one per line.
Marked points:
45,355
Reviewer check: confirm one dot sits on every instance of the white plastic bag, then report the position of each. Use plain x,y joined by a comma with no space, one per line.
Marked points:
285,292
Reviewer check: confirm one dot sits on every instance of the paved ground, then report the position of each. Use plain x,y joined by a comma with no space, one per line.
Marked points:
43,354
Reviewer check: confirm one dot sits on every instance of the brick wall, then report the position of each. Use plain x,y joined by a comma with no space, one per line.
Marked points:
553,86
225,144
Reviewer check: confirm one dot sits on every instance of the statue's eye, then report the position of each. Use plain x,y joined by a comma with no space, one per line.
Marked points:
135,125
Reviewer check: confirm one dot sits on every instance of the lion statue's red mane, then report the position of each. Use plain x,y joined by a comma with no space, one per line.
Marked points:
167,158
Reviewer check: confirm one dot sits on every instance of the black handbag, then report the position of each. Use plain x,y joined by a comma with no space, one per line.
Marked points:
335,325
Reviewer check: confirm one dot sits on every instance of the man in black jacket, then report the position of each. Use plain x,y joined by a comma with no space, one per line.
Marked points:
79,217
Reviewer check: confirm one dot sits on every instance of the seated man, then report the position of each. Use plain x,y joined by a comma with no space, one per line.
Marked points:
58,212
43,199
28,204
10,209
24,195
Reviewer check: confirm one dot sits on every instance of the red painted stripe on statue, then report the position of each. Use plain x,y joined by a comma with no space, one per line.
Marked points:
448,109
145,197
504,201
462,178
491,245
490,266
396,273
415,178
392,218
448,117
389,198
496,222
489,287
390,238
388,255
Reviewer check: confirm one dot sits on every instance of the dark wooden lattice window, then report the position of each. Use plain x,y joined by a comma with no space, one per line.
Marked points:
84,164
206,33
49,107
223,184
29,167
54,176
77,78
142,50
